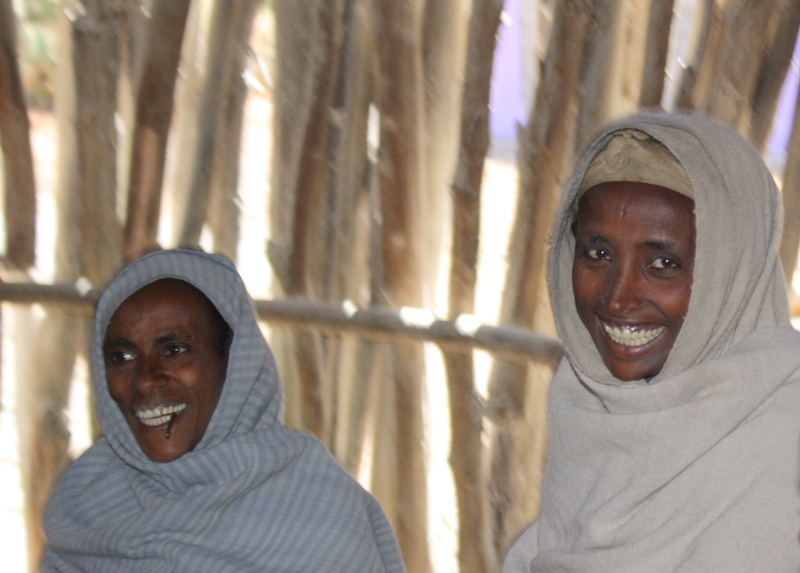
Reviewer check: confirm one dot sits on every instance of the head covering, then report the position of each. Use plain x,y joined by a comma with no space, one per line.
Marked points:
251,496
697,469
632,155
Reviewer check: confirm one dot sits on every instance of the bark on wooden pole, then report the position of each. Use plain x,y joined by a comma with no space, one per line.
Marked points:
154,103
350,365
443,51
309,43
659,25
401,167
225,204
686,98
475,539
544,147
734,79
773,71
230,21
20,185
596,71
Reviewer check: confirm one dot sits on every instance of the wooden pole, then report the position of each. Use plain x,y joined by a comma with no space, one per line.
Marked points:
380,324
20,185
659,25
475,548
543,150
154,102
772,74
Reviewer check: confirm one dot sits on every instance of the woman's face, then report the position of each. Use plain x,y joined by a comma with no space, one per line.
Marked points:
165,366
632,273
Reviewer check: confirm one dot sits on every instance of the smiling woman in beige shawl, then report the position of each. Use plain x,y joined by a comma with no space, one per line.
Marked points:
694,466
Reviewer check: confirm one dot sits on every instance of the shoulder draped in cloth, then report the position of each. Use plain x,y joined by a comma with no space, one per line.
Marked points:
698,469
253,496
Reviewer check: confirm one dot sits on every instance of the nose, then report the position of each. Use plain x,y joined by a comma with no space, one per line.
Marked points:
624,290
151,374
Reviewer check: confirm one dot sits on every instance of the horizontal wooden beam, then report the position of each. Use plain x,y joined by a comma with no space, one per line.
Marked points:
382,324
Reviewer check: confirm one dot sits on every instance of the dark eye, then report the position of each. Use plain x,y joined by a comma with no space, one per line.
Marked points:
665,263
174,349
596,253
119,357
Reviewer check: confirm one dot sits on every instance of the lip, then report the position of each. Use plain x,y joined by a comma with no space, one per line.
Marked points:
158,415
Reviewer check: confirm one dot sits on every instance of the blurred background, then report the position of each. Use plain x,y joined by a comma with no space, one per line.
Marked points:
384,174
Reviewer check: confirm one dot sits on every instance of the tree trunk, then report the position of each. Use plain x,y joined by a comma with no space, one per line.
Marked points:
790,242
773,71
20,185
734,80
230,32
154,102
401,168
475,548
659,25
88,243
543,151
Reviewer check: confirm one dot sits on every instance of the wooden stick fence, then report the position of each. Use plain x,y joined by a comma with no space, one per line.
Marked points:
381,324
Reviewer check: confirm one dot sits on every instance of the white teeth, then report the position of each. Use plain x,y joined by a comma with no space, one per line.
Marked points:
159,415
632,336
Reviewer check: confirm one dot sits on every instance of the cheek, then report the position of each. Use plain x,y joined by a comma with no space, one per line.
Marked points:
675,301
586,287
117,385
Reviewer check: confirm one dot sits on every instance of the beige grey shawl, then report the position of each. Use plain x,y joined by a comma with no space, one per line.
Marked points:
698,469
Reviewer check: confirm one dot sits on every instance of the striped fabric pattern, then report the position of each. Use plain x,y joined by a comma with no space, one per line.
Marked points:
252,496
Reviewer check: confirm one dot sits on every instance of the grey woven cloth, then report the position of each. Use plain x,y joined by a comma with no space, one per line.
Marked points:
252,495
698,469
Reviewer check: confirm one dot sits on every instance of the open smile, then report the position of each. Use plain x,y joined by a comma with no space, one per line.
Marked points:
632,335
159,415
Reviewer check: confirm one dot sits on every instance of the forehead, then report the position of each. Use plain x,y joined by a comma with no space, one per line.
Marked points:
633,204
165,299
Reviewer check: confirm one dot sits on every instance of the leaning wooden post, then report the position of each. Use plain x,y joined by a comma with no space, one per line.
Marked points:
154,102
231,20
308,47
475,540
400,97
687,96
543,151
736,67
20,186
772,74
659,25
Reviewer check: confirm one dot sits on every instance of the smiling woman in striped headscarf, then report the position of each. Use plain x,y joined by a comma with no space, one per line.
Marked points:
196,471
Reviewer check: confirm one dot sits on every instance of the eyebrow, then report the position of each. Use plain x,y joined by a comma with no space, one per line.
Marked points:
660,245
116,342
173,336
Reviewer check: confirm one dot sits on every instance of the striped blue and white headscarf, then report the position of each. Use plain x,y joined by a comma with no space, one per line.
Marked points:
251,496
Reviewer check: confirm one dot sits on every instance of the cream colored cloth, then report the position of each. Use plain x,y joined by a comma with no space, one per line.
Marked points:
632,155
699,469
